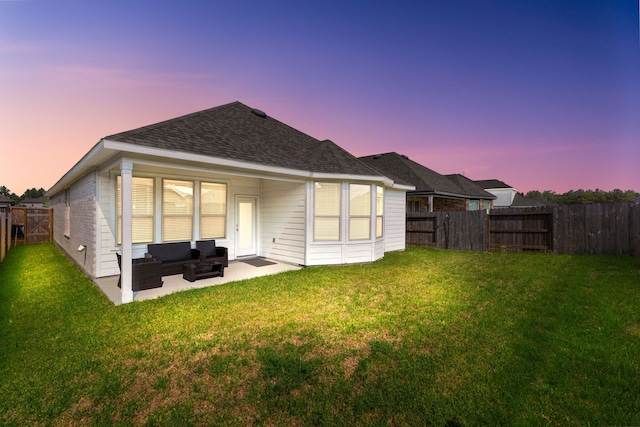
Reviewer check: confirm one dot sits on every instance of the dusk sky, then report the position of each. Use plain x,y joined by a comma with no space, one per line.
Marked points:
541,94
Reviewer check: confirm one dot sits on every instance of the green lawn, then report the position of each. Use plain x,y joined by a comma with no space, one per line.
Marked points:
421,337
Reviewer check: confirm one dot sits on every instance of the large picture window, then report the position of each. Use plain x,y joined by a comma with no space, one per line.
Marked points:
326,225
213,210
177,210
359,212
379,210
141,209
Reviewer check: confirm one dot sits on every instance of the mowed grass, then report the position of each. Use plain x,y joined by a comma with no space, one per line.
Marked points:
421,337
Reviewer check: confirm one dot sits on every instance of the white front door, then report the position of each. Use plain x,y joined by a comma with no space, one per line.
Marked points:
246,226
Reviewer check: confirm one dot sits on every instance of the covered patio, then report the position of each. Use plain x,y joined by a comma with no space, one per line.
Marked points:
237,270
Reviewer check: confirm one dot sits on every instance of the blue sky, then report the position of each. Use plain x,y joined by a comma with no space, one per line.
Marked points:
540,94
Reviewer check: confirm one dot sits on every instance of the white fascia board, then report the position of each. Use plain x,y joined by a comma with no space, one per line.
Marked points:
85,164
199,158
402,187
255,167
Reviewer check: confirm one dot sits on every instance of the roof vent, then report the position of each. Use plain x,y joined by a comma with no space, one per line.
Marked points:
377,156
402,155
259,113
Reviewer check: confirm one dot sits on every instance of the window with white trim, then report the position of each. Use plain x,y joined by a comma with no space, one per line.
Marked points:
142,218
326,224
213,210
177,210
379,211
359,212
67,212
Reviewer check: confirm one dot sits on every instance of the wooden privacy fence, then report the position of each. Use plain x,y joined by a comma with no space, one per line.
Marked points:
19,226
5,227
571,229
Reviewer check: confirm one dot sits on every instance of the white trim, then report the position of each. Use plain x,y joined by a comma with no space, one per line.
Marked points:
126,172
199,158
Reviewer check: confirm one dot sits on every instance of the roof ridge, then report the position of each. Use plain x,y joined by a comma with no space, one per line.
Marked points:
171,121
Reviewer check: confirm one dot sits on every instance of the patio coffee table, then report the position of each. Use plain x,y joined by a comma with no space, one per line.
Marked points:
193,271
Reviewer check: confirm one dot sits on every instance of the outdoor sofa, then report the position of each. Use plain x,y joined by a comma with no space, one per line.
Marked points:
172,255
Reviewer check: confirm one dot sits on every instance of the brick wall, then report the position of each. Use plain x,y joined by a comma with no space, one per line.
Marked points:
82,213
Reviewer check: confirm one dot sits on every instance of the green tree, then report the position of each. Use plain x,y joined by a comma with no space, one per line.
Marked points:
32,193
6,192
581,196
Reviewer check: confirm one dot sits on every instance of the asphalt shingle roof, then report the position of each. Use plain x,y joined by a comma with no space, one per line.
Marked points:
492,183
470,187
405,171
237,132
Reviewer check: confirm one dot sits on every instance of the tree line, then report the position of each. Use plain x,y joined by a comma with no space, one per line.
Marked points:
574,197
31,193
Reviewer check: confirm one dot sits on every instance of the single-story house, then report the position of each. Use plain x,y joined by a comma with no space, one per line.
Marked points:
231,173
34,202
433,192
504,192
5,202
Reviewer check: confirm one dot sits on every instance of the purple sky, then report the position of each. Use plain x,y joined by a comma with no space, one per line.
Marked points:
543,95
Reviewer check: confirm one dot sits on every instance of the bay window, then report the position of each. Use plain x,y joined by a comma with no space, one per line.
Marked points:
359,212
326,225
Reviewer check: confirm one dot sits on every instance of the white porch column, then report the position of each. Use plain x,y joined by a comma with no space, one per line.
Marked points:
126,169
430,203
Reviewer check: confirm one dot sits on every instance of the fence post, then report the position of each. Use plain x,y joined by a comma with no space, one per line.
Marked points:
3,235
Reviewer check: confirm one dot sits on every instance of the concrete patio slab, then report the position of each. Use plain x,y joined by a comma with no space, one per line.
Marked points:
237,270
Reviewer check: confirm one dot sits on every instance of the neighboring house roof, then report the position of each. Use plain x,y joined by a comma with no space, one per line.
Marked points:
470,187
237,132
636,200
492,183
33,200
520,201
426,181
4,200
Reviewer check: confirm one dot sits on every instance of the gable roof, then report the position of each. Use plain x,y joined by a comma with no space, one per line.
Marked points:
426,181
237,132
492,183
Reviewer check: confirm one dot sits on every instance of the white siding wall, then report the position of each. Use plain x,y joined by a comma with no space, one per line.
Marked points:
504,196
283,221
394,220
107,262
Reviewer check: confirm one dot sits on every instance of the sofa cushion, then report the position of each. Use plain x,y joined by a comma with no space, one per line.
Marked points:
170,251
208,247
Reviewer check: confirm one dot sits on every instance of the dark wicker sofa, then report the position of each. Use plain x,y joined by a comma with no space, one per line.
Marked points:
172,255
209,252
